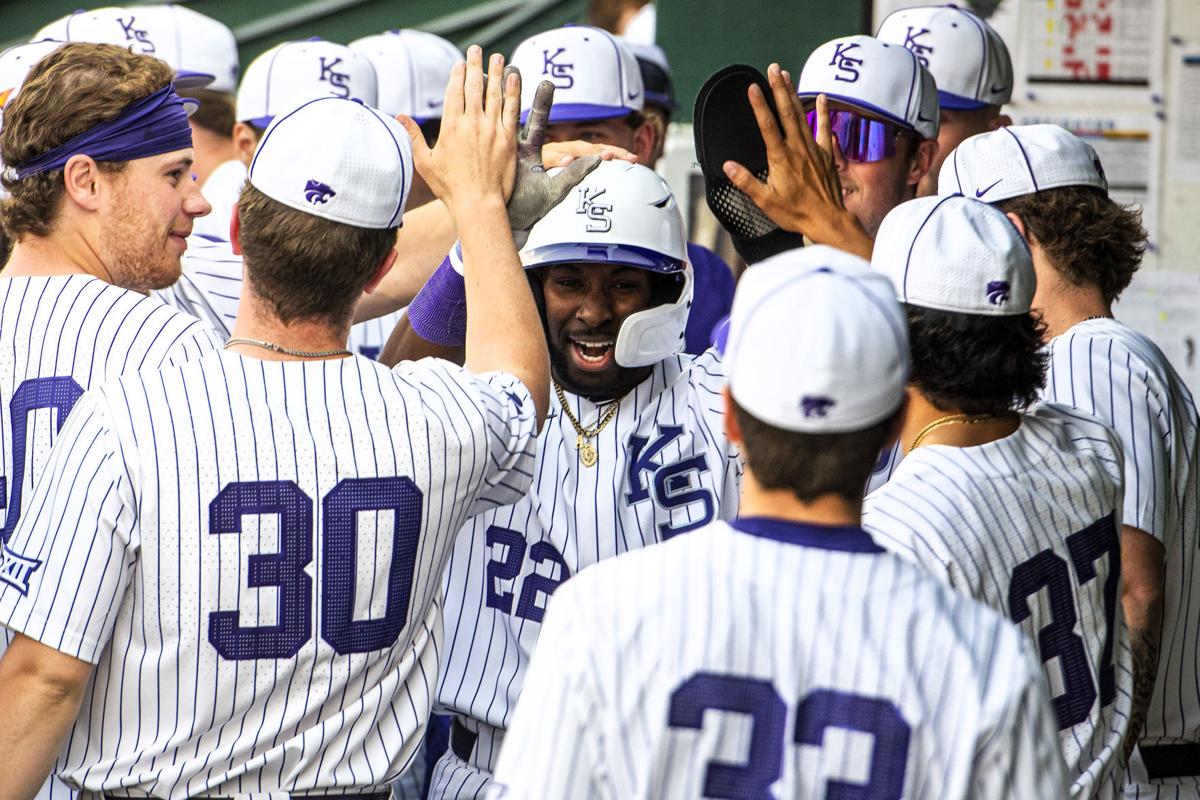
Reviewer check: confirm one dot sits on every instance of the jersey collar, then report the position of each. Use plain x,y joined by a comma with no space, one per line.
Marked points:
842,538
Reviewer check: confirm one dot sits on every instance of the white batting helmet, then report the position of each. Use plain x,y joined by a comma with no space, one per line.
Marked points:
625,214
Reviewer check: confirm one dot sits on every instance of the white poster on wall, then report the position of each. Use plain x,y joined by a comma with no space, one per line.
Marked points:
1162,304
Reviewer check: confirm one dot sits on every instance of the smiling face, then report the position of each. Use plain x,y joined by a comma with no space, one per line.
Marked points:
147,218
871,189
585,305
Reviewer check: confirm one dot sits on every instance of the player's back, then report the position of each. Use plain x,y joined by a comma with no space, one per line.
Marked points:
1030,524
282,529
664,468
765,658
59,336
1108,369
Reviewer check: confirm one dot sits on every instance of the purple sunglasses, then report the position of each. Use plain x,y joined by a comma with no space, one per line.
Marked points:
860,138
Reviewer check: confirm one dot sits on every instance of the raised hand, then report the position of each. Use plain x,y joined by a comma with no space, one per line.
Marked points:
536,191
802,192
475,156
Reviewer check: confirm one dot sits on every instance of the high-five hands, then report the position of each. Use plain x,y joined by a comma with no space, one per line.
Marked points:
802,192
475,156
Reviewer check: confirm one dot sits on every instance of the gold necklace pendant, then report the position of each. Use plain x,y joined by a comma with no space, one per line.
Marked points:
583,436
587,452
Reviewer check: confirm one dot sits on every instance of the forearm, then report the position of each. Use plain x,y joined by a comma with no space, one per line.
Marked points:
405,344
1144,619
37,710
504,328
1142,584
422,243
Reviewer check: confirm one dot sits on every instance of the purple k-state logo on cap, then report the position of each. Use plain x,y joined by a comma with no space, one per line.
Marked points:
997,292
317,193
813,405
846,64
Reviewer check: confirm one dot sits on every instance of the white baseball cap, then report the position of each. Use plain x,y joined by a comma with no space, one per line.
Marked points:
955,254
292,73
817,343
144,30
201,44
594,74
877,77
964,54
336,159
1019,160
15,63
413,68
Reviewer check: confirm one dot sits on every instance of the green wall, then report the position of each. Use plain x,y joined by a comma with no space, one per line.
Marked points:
699,36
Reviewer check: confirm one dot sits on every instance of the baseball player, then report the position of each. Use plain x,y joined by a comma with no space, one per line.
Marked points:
600,97
634,451
1019,509
784,653
89,243
856,140
267,526
970,64
1087,248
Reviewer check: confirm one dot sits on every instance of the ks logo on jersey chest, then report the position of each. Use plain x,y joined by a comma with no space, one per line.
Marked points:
674,486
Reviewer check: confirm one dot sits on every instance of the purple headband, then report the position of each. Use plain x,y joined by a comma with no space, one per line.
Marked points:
156,124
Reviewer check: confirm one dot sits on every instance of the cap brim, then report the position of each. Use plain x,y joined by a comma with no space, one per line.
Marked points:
956,102
261,122
859,104
581,112
620,255
186,79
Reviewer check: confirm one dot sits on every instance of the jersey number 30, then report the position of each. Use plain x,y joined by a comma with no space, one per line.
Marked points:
287,569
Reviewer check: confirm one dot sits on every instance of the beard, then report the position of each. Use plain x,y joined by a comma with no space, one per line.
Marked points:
136,248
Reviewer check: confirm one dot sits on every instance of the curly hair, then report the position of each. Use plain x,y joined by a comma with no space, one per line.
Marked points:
974,364
66,93
1090,239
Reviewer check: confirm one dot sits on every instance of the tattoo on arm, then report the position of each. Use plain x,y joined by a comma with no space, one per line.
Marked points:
1144,644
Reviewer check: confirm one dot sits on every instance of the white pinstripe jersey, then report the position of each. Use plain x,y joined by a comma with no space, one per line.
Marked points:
1030,524
211,285
257,569
59,336
1104,368
664,468
772,659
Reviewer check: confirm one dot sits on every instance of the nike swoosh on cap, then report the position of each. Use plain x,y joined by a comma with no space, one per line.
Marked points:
982,192
434,103
999,89
634,95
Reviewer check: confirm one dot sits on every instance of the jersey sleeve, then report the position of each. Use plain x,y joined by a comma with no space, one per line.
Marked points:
553,745
500,420
1104,379
706,377
68,563
1020,755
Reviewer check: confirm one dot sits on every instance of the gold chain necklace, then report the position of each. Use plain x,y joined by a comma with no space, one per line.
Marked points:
583,436
278,348
952,419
